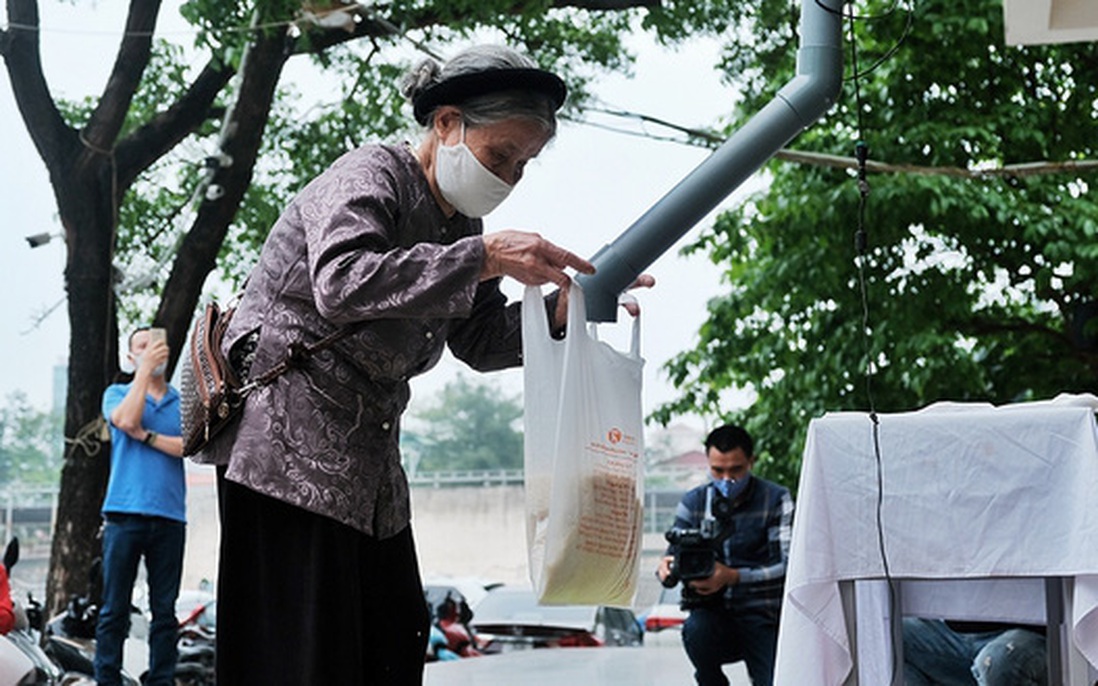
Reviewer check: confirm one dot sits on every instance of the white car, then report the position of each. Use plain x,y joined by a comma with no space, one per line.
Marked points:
510,618
663,621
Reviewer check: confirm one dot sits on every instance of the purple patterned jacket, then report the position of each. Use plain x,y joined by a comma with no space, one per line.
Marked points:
365,244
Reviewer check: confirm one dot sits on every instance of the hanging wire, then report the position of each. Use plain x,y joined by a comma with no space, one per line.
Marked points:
909,9
895,46
861,154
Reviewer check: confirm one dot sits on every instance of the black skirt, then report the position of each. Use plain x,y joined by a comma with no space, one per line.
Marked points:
304,600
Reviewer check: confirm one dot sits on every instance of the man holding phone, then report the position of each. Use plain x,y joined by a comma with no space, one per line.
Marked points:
144,511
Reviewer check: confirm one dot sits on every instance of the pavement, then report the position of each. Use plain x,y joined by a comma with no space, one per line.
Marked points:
662,663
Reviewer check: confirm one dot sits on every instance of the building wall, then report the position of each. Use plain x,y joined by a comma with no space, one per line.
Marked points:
467,531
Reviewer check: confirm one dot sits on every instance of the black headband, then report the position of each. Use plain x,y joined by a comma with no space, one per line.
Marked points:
457,89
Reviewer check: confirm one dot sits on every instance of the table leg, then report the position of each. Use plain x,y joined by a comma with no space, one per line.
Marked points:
1056,636
896,624
850,613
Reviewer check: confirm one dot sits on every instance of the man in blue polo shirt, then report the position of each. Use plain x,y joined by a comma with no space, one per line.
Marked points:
144,511
734,612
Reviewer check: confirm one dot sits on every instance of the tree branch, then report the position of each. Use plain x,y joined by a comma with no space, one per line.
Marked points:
607,5
160,134
982,326
242,135
133,56
320,32
19,45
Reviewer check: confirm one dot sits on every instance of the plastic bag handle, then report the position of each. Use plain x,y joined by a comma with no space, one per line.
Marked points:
577,307
576,322
635,345
531,297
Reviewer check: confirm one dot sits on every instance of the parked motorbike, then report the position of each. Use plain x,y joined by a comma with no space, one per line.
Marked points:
70,640
451,636
22,660
61,652
197,644
71,637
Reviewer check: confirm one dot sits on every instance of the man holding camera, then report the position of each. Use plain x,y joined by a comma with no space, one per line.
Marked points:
729,548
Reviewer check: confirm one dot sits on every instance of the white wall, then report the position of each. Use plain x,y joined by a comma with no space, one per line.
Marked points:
460,532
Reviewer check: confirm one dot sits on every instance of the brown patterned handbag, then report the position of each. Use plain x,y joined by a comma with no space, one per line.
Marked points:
211,395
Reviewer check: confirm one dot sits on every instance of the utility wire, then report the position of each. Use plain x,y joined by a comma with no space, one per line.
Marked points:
711,139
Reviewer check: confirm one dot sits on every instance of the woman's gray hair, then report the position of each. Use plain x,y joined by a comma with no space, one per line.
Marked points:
491,108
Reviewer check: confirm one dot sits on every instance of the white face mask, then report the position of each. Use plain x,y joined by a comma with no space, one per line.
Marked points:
158,371
465,183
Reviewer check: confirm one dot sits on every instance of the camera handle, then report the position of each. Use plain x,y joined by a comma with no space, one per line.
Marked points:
709,529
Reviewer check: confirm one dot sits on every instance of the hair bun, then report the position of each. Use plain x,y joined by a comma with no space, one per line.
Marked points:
419,78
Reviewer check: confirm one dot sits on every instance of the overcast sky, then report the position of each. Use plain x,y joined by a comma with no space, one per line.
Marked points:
584,190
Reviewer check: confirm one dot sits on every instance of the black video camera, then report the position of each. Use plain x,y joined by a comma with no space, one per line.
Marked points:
696,549
695,555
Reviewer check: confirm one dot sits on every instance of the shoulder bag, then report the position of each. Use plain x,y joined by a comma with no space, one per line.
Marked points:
211,394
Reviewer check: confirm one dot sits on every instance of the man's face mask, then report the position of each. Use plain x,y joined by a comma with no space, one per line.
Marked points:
731,488
160,368
465,183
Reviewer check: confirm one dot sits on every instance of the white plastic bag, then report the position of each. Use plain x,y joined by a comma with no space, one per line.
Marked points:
584,448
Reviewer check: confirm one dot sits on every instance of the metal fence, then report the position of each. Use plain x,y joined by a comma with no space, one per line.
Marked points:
660,479
664,488
469,477
30,513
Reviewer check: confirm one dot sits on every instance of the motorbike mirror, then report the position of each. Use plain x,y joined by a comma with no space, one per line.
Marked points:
11,553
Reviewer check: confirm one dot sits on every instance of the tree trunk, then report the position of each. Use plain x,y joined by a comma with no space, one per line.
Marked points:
88,217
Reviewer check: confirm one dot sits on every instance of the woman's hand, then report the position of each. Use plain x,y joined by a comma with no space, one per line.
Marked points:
560,315
529,259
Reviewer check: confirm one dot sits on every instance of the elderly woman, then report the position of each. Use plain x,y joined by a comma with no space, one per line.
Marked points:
318,579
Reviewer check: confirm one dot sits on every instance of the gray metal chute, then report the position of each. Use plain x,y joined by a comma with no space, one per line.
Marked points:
799,103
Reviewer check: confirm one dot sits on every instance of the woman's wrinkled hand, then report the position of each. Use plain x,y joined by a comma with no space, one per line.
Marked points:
529,259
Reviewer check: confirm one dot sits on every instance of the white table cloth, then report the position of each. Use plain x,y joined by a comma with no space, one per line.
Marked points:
969,492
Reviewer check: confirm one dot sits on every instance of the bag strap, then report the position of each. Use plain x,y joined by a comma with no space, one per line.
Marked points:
577,315
295,357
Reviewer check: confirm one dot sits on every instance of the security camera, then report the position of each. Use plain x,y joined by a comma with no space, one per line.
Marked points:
218,161
39,239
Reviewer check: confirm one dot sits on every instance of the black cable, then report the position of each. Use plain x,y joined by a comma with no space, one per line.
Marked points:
861,153
896,46
861,17
910,9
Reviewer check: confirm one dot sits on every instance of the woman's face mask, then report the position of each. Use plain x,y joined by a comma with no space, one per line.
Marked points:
465,183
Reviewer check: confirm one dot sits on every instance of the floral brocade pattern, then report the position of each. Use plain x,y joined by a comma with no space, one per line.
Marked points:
366,246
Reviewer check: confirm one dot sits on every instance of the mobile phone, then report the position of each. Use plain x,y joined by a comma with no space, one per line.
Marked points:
158,334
